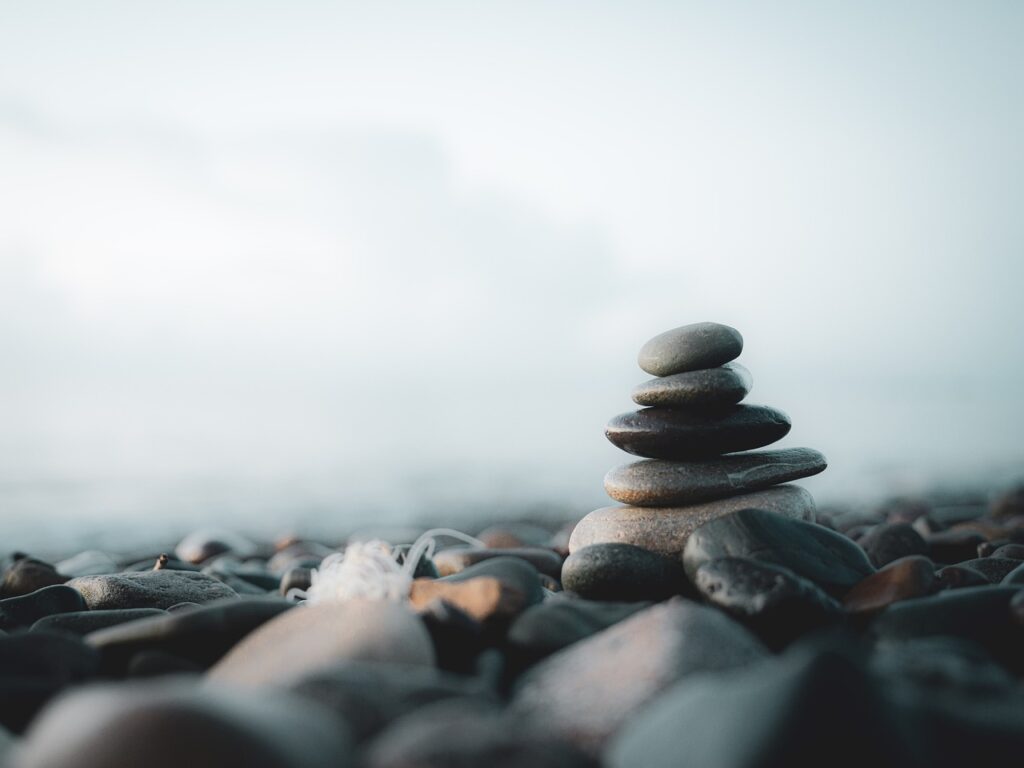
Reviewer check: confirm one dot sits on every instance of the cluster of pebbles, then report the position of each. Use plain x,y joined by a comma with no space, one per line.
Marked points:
716,621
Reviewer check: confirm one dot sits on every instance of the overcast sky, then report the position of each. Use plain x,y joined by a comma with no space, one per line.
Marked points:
358,255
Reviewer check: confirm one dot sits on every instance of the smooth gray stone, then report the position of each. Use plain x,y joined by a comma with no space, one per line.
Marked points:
890,541
666,529
725,385
622,573
25,610
149,589
660,483
587,691
690,348
174,724
829,559
663,433
83,622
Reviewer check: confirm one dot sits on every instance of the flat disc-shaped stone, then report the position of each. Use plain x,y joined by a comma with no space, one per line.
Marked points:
690,348
662,433
725,385
660,483
666,529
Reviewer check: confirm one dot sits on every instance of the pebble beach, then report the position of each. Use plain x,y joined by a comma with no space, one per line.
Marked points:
712,615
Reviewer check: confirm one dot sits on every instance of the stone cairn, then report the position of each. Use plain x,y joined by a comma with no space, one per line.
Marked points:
695,438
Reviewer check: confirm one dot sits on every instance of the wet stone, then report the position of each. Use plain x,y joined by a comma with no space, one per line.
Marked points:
891,541
903,579
149,589
825,557
666,529
771,601
83,622
622,573
25,610
660,483
725,385
587,691
690,348
661,433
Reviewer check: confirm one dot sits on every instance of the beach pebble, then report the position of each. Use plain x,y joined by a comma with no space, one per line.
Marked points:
83,622
941,663
660,483
622,573
492,591
295,578
1016,576
25,610
456,559
200,546
827,558
725,385
773,602
369,696
511,535
200,635
663,433
891,541
458,733
995,569
903,579
587,691
27,574
953,546
35,666
149,589
458,638
1008,502
666,529
958,577
690,348
311,637
559,622
1011,551
174,725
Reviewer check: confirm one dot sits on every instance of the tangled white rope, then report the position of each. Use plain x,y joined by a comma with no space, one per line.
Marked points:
370,570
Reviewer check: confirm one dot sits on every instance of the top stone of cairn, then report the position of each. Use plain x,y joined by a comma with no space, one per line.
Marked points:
690,348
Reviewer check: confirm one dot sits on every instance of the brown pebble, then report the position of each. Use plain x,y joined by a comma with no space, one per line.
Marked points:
903,579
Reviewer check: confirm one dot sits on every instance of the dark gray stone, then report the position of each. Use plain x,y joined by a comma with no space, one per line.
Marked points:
586,692
622,573
891,541
690,348
83,622
25,610
661,433
457,559
995,569
726,385
149,589
826,557
771,601
660,483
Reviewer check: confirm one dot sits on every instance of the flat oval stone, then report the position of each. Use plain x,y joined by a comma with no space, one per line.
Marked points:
27,609
891,541
725,385
623,573
456,559
83,622
666,529
826,557
995,569
690,348
661,433
771,601
149,589
311,637
903,579
586,692
660,483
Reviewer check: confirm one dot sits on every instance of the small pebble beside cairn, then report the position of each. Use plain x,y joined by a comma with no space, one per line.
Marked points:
695,439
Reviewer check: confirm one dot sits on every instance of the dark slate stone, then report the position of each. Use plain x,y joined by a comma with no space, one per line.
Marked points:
458,638
149,589
827,558
953,546
771,601
1016,576
25,610
201,635
586,692
690,348
83,622
661,483
941,663
27,574
622,573
34,667
661,433
978,614
995,569
1011,551
891,541
725,385
958,577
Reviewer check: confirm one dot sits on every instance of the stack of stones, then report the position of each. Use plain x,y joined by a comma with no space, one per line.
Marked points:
695,438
